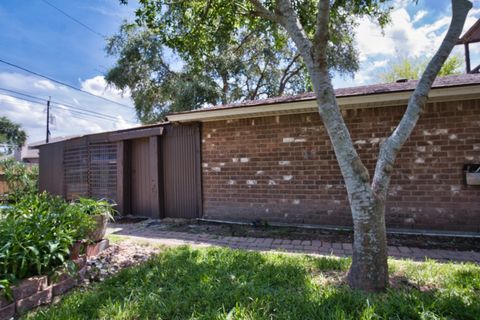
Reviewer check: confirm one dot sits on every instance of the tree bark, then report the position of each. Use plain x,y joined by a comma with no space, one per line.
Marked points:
369,269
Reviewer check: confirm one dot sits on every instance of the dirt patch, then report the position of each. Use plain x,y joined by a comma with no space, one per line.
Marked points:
115,258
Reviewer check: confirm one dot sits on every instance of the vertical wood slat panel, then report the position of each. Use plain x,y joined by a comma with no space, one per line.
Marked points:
181,169
154,169
141,190
51,169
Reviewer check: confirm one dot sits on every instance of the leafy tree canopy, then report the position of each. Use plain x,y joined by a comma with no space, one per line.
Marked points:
246,70
229,53
412,68
11,136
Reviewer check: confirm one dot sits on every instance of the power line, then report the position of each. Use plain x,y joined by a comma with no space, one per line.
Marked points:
99,117
75,19
63,83
65,105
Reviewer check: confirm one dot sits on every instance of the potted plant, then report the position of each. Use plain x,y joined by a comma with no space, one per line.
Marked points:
101,211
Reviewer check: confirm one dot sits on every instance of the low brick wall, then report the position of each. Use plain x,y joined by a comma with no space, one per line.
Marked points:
283,168
40,290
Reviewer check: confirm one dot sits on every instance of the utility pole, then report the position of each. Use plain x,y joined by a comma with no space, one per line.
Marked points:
48,120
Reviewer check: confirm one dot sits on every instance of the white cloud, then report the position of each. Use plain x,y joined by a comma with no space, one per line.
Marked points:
68,121
405,36
44,84
419,16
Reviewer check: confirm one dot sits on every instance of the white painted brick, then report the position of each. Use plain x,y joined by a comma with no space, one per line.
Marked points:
284,163
419,160
251,182
244,160
287,178
288,140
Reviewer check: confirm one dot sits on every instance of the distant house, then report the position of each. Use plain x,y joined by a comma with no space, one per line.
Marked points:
26,155
272,160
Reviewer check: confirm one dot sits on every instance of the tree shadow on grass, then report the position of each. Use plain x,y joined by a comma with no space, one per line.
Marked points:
185,283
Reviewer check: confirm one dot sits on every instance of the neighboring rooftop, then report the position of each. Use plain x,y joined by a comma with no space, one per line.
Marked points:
367,90
472,35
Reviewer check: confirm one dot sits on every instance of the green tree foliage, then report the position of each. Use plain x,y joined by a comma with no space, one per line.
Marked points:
408,68
228,53
11,136
246,69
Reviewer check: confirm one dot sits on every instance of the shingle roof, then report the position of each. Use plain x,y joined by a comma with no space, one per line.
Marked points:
472,34
443,82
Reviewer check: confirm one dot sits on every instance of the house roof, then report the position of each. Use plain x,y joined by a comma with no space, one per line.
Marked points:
472,34
376,94
115,134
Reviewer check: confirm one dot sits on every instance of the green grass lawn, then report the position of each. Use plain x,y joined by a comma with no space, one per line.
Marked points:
186,283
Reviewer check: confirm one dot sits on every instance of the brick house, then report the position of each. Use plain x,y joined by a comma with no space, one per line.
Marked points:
272,159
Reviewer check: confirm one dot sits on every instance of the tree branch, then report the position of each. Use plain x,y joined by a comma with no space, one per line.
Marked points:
290,22
418,100
263,12
320,39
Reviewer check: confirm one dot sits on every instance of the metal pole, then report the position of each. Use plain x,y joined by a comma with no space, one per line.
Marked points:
48,120
467,58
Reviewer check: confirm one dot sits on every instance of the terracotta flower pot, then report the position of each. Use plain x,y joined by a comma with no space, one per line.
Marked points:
100,228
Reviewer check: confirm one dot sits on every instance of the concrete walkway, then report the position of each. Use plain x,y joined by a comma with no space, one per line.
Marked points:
140,232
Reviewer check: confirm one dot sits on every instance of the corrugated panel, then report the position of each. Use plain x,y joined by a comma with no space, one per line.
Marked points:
103,170
180,147
75,162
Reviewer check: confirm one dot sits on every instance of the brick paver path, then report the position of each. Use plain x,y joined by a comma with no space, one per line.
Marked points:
170,238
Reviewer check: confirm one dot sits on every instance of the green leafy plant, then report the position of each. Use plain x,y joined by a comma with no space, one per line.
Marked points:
93,207
36,235
21,179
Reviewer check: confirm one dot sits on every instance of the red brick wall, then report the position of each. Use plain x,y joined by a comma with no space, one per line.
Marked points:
283,169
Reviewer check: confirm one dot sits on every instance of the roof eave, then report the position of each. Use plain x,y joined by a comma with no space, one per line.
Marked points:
307,106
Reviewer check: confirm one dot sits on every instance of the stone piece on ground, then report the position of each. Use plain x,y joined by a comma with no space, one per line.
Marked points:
81,261
7,312
35,300
94,249
29,286
66,284
81,273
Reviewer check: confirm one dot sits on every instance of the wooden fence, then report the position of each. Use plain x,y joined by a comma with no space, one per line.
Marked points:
3,184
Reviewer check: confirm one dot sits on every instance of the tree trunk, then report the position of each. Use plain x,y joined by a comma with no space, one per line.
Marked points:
369,269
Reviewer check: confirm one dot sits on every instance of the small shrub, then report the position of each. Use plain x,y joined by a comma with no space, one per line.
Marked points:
96,207
37,233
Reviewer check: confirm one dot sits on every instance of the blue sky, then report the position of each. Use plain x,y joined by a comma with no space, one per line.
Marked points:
38,37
